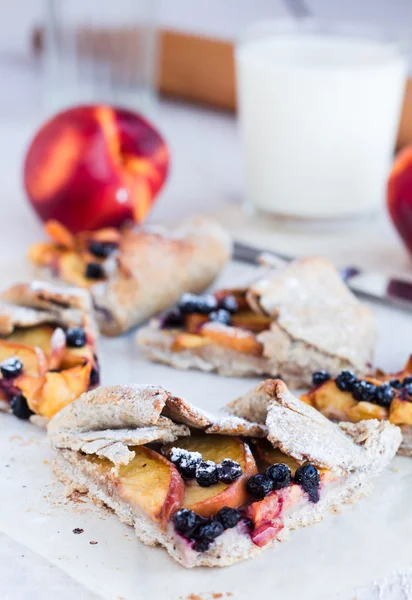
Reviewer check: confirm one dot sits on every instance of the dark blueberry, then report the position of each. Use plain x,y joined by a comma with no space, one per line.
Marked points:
208,530
229,303
407,380
408,389
20,408
307,476
11,367
190,303
345,381
279,474
101,249
94,271
220,316
94,377
202,545
384,394
320,377
259,486
186,462
395,383
229,517
171,319
75,337
229,470
364,391
185,521
206,473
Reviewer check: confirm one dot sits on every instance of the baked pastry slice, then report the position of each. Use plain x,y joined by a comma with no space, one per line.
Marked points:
47,348
378,395
291,322
214,490
134,273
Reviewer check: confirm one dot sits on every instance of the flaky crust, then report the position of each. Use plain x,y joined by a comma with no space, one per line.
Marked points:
354,452
317,324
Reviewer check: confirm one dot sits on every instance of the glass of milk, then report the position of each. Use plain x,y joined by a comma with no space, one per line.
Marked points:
319,107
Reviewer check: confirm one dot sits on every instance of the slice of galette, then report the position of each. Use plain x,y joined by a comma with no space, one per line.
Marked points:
291,322
378,395
134,273
214,490
47,348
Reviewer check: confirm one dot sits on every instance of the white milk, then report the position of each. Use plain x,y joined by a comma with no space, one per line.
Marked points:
319,116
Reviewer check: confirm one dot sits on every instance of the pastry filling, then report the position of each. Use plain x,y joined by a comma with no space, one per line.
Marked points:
44,367
379,396
203,484
224,318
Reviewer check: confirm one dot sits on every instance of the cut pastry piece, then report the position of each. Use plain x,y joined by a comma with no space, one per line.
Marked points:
214,490
47,348
134,273
293,321
378,395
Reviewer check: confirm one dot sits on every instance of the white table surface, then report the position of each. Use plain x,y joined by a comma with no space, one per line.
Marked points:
206,177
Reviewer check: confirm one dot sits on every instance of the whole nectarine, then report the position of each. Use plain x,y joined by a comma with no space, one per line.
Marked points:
399,193
95,166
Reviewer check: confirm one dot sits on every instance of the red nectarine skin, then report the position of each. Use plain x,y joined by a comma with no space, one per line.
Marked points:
399,195
95,166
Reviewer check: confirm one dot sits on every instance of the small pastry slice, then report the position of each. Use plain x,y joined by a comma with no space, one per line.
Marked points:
378,395
134,273
293,321
215,490
48,354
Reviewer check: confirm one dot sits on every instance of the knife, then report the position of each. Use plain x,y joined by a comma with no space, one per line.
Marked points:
369,284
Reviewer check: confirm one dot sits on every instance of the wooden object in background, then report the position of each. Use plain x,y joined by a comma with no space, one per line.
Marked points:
201,70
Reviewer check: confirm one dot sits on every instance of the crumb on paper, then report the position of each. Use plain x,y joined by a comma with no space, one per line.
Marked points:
78,530
208,596
395,470
93,543
45,462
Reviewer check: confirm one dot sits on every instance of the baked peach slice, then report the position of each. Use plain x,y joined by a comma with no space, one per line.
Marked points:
152,483
188,341
33,359
251,321
269,455
234,338
207,501
400,412
38,336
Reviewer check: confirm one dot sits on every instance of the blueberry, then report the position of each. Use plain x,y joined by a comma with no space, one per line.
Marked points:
209,530
75,337
202,545
186,462
407,380
307,476
259,486
384,394
280,475
229,303
408,389
94,377
229,517
185,520
220,316
172,319
11,367
190,303
94,271
20,408
364,391
346,380
206,473
320,377
229,470
101,249
395,383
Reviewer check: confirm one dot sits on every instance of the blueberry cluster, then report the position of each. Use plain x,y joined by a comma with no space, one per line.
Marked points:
278,476
366,391
201,531
218,311
191,466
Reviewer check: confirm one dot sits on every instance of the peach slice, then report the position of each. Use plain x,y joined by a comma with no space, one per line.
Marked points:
331,401
238,293
251,321
72,269
366,410
270,455
400,412
187,341
236,339
194,321
33,359
39,336
152,483
207,501
60,235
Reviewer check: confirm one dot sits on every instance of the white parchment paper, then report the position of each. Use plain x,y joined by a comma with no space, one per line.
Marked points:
365,542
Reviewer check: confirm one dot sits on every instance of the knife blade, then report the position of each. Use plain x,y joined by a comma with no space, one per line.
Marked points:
368,284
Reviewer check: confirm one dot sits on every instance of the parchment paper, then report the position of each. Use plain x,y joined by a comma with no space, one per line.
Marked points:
366,542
